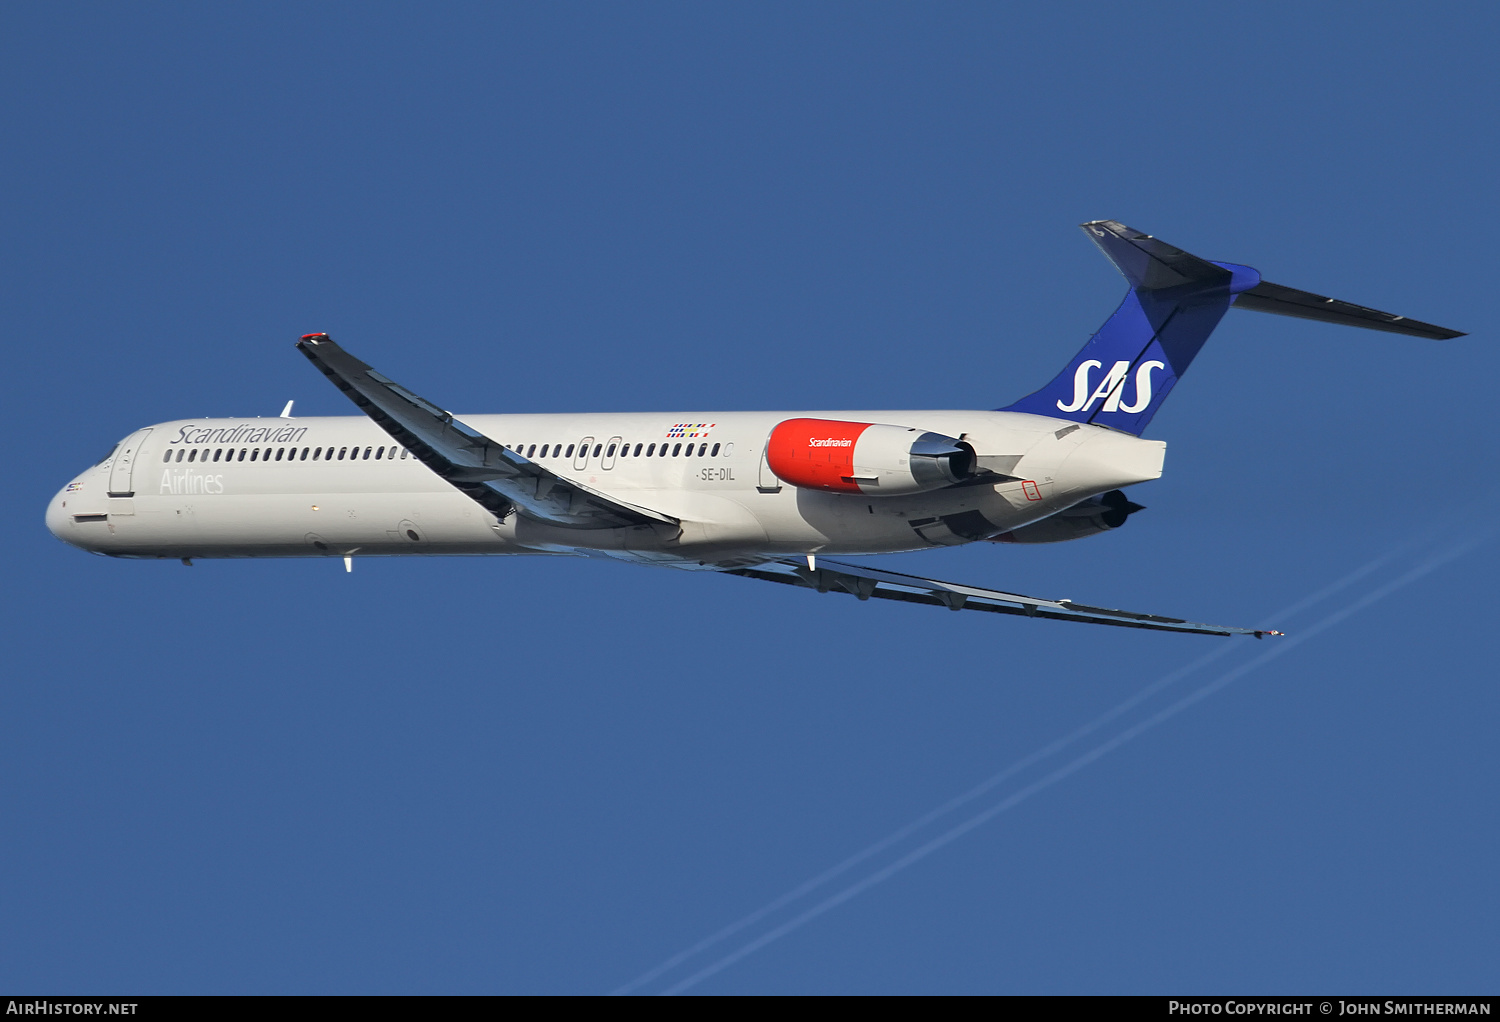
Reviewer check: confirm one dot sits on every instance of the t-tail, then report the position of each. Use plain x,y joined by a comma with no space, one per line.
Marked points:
1125,371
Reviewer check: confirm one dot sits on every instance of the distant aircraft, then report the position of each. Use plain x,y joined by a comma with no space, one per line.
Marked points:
762,495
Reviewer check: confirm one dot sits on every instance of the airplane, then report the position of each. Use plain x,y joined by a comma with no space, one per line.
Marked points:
762,495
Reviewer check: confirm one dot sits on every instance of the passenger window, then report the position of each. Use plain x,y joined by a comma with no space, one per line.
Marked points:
544,450
367,453
532,451
611,452
342,450
378,452
676,450
597,449
637,450
304,454
403,453
243,451
165,457
570,451
193,454
651,451
217,452
280,451
715,452
254,453
317,453
702,450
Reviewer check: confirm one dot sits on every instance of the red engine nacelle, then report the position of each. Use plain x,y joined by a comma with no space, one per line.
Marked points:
866,457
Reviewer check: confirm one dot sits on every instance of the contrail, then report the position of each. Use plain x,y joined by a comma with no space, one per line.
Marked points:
1103,749
1046,752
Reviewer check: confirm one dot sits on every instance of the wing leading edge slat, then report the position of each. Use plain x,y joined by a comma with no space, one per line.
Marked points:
866,583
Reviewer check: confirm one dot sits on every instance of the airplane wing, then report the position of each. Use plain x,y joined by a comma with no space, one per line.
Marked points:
864,582
500,480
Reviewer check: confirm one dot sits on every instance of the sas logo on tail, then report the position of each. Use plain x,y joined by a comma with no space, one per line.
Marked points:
1112,388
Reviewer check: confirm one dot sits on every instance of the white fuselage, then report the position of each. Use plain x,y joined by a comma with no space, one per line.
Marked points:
294,487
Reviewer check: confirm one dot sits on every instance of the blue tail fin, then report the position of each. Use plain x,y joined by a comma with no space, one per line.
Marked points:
1126,370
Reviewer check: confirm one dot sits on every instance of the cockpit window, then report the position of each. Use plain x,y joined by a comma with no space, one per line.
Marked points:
111,454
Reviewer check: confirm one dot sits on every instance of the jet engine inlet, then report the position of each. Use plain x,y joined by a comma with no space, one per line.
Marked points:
868,458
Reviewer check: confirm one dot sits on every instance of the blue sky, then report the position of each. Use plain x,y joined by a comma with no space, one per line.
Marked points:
519,776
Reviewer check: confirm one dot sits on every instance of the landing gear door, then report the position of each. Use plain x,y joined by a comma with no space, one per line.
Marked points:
122,469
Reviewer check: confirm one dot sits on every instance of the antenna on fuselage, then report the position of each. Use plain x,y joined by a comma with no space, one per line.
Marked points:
286,413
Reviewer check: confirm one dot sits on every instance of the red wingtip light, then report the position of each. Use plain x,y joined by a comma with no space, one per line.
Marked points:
315,337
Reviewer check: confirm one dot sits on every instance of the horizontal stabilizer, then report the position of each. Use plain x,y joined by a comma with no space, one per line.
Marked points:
1153,265
1287,301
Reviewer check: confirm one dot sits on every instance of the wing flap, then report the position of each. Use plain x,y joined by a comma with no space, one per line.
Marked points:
500,480
867,583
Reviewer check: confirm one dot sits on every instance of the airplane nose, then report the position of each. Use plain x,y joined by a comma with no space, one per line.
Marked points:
72,522
57,516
